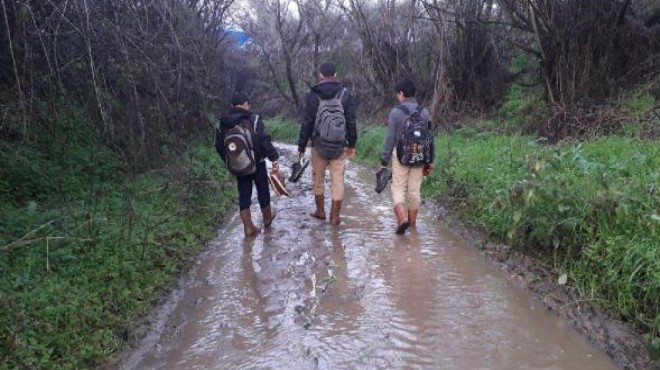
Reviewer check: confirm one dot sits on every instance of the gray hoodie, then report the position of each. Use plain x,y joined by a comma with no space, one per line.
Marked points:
394,122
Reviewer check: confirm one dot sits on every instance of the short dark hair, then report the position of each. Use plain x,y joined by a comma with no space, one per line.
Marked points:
406,86
327,69
238,99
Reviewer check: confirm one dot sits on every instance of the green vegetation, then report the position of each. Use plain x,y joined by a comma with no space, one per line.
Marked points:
282,130
85,251
523,107
590,209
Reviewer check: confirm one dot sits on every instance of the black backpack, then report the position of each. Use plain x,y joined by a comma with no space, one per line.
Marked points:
415,140
239,147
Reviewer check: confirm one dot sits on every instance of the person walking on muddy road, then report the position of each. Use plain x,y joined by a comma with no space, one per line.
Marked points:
244,144
329,121
410,141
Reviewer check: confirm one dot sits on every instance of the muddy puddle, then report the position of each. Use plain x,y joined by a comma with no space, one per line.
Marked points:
305,295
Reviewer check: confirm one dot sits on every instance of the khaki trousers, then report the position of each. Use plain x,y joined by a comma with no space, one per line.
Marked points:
336,166
406,179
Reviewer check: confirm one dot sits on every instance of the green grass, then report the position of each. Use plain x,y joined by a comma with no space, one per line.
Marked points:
86,251
282,130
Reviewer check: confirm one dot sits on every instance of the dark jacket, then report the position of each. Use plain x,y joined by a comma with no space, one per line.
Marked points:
326,89
263,146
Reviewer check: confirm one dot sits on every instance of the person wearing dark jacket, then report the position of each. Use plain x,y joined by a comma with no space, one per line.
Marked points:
327,88
263,148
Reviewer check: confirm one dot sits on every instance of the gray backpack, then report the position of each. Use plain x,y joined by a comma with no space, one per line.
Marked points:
330,127
239,148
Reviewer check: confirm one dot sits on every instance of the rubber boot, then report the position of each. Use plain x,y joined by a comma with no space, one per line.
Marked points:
334,212
248,226
401,220
269,215
412,217
319,212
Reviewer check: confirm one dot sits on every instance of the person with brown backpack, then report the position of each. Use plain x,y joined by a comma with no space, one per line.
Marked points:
244,144
329,121
410,140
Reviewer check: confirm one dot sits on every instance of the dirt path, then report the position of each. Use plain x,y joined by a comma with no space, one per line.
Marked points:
305,295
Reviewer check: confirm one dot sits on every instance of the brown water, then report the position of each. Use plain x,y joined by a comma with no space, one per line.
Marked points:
305,295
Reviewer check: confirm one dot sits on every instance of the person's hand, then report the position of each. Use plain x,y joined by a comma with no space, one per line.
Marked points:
350,152
276,169
301,153
428,168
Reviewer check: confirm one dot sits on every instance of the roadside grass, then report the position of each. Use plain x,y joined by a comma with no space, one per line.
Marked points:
590,209
86,256
281,129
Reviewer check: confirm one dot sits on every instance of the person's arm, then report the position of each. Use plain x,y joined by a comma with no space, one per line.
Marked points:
427,116
390,138
219,142
307,121
351,123
351,118
266,144
265,141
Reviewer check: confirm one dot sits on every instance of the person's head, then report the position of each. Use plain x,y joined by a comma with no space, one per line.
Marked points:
327,70
404,88
240,100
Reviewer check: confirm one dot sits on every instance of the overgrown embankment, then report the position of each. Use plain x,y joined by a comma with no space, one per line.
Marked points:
85,250
590,209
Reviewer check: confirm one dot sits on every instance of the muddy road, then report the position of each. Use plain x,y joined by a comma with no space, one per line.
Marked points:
305,295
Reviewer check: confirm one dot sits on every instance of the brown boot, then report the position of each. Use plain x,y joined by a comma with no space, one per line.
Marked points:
319,212
334,212
269,215
412,217
248,226
401,220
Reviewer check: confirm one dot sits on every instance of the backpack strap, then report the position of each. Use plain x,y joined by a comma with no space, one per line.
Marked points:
256,119
340,95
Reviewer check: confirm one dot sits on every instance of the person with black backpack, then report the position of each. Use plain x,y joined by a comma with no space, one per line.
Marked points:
410,140
243,144
329,121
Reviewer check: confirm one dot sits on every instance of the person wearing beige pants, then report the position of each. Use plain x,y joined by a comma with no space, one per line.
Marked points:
406,180
328,88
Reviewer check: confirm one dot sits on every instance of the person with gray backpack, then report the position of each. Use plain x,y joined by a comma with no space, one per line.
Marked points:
329,121
244,144
409,139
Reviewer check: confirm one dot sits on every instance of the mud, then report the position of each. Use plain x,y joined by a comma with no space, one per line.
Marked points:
306,295
621,341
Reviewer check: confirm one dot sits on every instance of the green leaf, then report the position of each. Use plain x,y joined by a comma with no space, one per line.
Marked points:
563,279
517,215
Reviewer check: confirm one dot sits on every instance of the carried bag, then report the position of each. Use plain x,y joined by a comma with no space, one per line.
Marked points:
239,148
330,127
414,145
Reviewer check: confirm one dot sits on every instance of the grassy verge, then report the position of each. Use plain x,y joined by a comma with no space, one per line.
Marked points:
85,252
282,130
591,209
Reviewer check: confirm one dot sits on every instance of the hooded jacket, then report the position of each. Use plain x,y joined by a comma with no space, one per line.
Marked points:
263,145
326,89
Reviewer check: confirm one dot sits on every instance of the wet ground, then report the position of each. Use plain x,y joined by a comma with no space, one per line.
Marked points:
306,295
